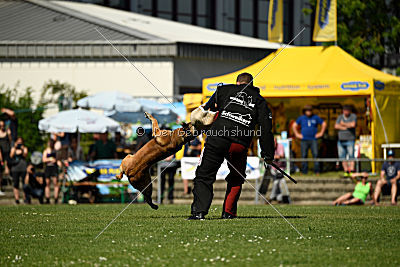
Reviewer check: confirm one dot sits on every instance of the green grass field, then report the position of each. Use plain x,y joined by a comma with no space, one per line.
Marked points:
64,235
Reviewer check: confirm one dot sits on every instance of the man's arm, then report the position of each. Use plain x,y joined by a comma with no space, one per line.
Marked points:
267,138
9,112
211,103
296,131
346,125
394,180
323,128
339,126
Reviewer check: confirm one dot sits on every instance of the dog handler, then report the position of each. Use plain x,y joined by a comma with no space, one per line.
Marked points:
240,107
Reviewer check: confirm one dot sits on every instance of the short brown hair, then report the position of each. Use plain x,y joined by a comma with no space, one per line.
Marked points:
245,78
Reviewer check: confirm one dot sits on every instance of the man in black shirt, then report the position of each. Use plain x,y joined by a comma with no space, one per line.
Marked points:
33,185
240,107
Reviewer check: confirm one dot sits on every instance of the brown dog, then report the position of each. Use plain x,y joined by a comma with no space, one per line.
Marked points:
164,144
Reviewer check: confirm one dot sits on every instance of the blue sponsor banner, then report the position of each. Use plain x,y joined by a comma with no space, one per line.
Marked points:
79,170
355,86
213,86
323,16
379,85
107,168
274,10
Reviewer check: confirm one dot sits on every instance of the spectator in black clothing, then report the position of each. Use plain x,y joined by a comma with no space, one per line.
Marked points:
5,147
34,185
2,164
18,164
12,123
168,168
240,108
51,170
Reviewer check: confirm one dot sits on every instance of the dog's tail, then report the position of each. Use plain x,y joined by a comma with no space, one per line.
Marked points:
121,173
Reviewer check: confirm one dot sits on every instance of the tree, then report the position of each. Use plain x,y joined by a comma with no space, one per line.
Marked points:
63,94
28,116
367,29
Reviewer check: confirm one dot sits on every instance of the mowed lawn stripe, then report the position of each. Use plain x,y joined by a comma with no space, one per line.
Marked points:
64,235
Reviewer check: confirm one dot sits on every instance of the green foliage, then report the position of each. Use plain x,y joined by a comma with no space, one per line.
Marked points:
367,28
29,114
53,92
28,117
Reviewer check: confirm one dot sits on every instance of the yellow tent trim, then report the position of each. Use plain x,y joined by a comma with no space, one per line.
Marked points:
308,71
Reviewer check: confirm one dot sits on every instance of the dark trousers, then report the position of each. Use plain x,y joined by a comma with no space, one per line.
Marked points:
215,150
17,176
170,172
33,192
305,145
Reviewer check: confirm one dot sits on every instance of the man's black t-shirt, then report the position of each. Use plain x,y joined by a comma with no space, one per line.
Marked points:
240,109
33,183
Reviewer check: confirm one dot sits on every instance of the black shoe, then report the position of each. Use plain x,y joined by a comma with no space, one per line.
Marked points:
197,216
226,215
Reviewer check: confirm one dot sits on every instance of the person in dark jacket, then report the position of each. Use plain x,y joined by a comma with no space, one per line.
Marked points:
240,108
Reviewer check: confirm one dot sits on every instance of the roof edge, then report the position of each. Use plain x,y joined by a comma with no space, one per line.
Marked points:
52,5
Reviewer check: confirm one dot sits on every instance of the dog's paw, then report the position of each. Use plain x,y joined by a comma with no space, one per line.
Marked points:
119,176
147,115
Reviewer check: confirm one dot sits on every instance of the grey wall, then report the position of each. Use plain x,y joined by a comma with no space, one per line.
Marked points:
188,73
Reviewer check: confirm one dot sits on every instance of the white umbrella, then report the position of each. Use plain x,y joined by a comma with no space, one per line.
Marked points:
162,112
80,120
110,100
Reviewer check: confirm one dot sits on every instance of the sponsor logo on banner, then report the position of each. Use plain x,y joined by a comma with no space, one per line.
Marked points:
244,119
379,85
274,10
355,86
213,86
323,18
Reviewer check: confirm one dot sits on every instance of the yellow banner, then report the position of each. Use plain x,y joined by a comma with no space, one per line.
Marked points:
325,21
275,21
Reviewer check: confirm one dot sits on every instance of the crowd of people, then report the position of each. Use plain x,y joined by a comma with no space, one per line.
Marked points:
38,178
43,171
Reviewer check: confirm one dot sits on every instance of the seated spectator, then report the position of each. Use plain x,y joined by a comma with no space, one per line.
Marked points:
104,148
280,191
33,185
360,192
390,169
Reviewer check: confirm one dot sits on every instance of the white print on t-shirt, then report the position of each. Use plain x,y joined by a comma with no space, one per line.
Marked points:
244,119
243,99
391,170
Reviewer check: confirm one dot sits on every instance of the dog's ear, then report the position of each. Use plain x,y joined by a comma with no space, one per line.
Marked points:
185,125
